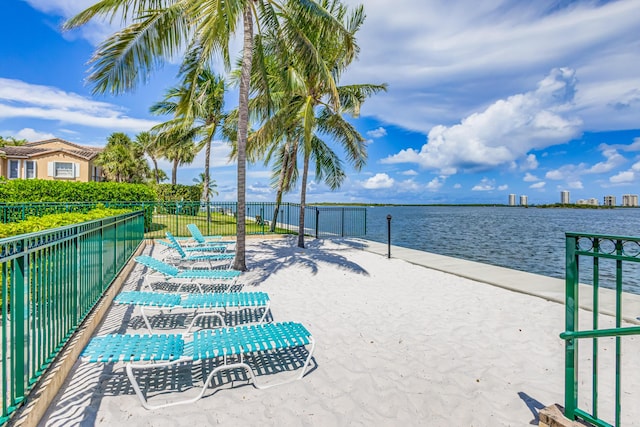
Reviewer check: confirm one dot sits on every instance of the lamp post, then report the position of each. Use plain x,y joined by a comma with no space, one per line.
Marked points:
388,236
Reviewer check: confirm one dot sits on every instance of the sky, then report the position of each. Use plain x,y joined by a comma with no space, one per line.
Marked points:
484,99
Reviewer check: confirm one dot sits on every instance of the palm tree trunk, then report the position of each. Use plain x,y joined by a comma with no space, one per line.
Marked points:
303,199
155,169
205,184
174,172
281,178
243,121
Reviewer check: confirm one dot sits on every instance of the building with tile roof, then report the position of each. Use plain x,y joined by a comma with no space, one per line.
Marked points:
50,159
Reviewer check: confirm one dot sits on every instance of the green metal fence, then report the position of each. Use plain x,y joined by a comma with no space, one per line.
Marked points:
216,218
50,281
589,252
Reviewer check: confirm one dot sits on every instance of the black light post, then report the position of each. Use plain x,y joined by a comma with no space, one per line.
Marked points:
388,236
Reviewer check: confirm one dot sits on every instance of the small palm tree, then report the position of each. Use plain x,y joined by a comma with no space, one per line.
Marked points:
211,185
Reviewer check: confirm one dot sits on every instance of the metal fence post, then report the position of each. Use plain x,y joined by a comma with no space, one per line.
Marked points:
571,307
317,220
388,236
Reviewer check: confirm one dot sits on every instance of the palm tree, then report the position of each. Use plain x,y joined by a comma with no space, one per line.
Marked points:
122,160
160,30
178,147
149,146
211,185
308,104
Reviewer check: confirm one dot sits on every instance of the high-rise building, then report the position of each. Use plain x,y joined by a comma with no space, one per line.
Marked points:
524,200
630,200
564,197
609,201
512,199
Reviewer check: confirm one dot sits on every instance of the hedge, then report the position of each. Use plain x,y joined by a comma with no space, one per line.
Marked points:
35,224
40,190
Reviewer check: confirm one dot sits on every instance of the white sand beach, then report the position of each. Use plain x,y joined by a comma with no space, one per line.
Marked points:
397,344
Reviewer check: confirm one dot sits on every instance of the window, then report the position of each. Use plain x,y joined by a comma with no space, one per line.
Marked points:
14,169
64,170
30,169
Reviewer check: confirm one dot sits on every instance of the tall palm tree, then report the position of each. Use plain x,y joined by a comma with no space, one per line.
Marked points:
161,29
122,160
304,104
177,145
200,119
148,144
211,185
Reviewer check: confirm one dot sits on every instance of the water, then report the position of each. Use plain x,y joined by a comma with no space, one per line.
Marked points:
528,239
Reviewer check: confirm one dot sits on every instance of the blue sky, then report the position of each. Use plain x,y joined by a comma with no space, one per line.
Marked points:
485,99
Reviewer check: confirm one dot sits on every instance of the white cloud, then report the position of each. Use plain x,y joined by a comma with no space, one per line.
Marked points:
24,100
379,180
436,183
502,133
614,159
377,133
538,185
456,186
410,172
623,177
530,163
576,185
530,178
31,134
484,185
503,187
445,60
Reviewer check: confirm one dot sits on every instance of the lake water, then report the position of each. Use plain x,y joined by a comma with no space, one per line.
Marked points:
528,239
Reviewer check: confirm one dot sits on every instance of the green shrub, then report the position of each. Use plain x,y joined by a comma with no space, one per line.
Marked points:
178,193
40,223
29,191
40,190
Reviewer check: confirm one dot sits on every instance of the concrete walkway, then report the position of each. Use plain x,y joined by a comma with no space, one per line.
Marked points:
546,287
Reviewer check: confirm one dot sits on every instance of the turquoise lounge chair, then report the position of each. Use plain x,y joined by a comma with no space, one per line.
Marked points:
225,344
204,240
168,272
212,303
202,254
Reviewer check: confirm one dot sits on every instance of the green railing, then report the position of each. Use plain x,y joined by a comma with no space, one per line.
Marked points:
216,218
605,256
50,281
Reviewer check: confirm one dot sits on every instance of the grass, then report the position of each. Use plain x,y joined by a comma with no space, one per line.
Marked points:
220,224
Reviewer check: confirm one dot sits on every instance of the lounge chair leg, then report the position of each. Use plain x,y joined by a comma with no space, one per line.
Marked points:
197,316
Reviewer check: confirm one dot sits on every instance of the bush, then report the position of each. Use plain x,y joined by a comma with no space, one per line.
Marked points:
178,193
40,190
29,192
40,223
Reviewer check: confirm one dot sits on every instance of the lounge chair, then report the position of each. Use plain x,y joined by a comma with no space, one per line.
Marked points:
212,302
199,255
205,240
223,344
168,272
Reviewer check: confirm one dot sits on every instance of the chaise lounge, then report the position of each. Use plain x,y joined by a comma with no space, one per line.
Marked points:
164,271
212,303
143,352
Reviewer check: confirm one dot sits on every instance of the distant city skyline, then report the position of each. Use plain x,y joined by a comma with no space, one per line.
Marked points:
565,199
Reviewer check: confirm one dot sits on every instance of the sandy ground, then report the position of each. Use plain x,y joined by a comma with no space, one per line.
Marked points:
397,344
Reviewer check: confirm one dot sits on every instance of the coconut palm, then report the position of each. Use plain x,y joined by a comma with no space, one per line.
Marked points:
148,144
160,30
122,160
211,185
303,106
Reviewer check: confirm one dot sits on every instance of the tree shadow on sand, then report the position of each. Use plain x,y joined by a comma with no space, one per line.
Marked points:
273,256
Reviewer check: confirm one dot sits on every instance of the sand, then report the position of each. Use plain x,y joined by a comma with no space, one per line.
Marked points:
397,344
